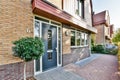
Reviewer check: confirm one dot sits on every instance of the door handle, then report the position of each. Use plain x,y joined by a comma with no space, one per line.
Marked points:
49,50
56,49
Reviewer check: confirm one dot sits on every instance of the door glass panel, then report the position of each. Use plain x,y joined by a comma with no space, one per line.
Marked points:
37,29
37,65
49,39
49,44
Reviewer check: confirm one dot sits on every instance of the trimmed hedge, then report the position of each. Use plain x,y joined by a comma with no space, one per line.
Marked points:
103,50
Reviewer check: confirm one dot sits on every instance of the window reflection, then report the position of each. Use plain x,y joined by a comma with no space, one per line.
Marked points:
72,38
37,29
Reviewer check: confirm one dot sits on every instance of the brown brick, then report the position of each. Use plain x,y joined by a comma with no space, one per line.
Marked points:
16,16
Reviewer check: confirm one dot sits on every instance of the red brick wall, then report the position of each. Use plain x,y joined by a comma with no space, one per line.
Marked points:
15,71
100,36
76,55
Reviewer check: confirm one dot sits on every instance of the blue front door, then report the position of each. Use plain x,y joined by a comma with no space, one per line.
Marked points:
49,36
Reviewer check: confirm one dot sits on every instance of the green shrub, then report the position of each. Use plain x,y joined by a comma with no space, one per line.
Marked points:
28,48
103,50
112,51
98,49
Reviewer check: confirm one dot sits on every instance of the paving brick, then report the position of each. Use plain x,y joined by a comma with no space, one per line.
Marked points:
104,67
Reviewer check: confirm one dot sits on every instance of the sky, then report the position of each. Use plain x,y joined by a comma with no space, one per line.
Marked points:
113,6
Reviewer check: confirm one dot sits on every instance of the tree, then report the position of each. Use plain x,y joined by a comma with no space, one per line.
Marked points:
116,37
28,49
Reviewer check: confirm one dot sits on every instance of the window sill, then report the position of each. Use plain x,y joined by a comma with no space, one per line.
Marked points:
79,46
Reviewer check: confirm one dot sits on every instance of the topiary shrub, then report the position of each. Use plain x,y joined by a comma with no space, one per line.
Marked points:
28,49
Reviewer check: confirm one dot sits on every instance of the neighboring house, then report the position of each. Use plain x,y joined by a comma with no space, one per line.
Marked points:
101,21
111,31
64,25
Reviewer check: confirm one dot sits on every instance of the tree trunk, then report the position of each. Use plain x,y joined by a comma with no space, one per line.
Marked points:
24,70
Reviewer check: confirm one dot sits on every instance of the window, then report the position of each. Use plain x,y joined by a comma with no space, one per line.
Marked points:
83,39
37,29
86,39
80,8
72,38
79,38
49,39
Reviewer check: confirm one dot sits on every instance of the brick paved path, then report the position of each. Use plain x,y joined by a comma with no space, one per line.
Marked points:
102,68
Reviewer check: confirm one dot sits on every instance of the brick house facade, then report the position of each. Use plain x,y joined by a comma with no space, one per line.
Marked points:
101,21
21,18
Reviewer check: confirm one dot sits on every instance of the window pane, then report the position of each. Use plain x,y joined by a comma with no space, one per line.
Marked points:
37,63
78,37
37,29
80,8
86,39
83,39
72,38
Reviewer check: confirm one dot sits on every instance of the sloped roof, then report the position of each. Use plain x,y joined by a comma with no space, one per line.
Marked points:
100,18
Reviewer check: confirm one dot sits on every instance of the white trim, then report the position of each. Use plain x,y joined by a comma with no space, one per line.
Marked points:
61,45
82,33
41,56
35,73
57,48
49,20
79,46
57,26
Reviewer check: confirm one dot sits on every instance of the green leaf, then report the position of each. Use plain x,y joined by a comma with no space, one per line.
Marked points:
28,48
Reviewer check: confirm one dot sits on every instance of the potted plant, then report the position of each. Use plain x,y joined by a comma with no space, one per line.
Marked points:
28,49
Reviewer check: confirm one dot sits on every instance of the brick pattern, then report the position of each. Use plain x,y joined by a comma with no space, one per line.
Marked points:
66,42
102,68
76,55
15,71
15,18
100,37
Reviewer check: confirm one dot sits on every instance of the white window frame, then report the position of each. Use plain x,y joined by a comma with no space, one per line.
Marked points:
85,34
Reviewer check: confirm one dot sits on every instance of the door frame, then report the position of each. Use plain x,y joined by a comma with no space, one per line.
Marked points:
60,26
